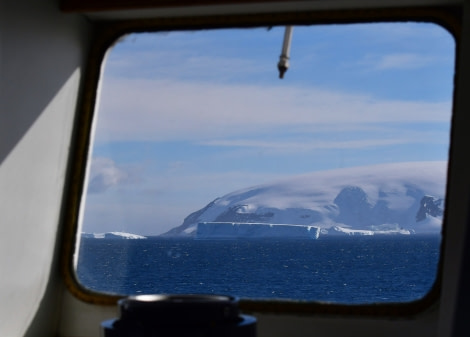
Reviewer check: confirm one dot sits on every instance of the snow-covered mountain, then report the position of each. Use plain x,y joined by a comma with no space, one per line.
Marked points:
113,235
399,198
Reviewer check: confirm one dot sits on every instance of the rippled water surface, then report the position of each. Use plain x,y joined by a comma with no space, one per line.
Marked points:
342,269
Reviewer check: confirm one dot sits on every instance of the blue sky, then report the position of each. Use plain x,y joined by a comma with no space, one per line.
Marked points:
185,117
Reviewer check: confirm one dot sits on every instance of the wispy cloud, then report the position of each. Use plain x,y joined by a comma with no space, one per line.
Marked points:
152,110
177,65
302,146
403,61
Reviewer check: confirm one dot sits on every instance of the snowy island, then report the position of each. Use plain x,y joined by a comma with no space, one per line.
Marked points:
388,199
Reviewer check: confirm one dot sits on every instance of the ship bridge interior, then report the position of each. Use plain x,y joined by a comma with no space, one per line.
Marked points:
50,61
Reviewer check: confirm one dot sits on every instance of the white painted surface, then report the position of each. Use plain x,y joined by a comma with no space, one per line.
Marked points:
40,69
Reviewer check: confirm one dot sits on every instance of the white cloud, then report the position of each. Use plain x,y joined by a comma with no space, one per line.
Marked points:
402,32
104,174
403,61
305,146
153,110
176,64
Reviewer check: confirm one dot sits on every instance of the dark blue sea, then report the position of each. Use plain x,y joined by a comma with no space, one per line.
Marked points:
350,270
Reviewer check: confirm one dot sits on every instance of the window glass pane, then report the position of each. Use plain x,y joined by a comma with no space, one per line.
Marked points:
210,174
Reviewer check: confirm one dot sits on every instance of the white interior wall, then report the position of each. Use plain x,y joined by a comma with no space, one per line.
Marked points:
42,52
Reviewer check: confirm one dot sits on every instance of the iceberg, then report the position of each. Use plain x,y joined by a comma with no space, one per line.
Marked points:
338,230
235,230
113,235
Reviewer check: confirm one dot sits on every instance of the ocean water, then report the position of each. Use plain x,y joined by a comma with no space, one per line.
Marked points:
348,270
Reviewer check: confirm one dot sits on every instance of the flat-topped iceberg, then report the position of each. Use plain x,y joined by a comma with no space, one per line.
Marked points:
234,230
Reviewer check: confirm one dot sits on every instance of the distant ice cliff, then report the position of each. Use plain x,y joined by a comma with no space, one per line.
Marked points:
233,230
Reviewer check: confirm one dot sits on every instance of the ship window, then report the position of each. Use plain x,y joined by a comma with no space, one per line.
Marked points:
210,174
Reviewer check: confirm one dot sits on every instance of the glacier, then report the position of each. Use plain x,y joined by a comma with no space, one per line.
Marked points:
399,198
234,230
